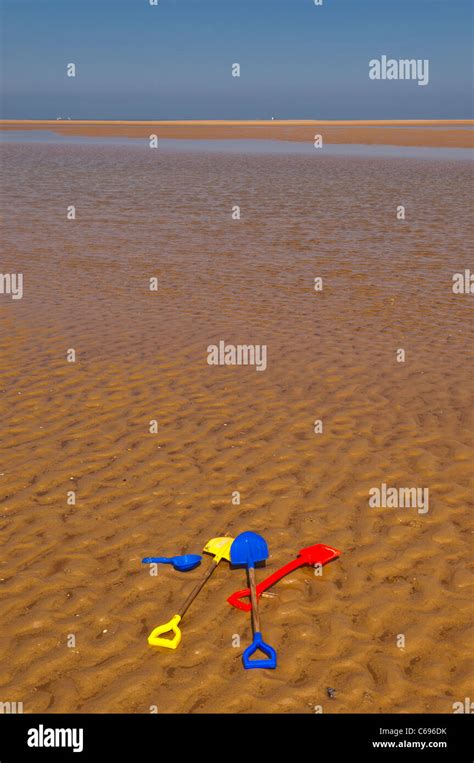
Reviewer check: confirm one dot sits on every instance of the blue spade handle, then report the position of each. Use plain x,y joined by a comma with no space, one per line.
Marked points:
259,644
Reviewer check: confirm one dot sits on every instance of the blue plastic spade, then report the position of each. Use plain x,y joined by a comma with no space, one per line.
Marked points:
247,549
181,563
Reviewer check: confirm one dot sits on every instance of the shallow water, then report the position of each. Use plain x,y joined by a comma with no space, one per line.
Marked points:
245,146
75,570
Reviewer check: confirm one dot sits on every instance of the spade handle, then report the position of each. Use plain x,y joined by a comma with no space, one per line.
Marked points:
235,598
198,587
321,554
254,600
278,574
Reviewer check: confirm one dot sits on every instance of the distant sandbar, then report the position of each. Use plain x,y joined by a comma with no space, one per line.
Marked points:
442,133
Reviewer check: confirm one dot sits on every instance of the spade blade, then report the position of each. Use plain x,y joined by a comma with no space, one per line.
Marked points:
248,548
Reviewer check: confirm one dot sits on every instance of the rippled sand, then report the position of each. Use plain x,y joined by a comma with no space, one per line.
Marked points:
142,355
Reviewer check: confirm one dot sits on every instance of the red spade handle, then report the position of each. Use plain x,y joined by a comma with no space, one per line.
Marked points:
235,599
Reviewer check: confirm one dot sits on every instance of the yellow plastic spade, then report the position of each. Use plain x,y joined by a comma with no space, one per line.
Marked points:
220,548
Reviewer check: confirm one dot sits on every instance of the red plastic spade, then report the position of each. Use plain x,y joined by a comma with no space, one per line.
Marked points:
318,554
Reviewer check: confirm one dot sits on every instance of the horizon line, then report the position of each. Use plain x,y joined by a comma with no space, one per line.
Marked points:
249,122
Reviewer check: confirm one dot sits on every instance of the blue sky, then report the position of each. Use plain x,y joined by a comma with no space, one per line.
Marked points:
174,61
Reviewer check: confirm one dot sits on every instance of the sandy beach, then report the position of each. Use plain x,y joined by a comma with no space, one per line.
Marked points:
434,133
75,570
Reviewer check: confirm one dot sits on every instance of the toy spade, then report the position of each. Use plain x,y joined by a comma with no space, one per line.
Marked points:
220,548
247,549
181,563
318,554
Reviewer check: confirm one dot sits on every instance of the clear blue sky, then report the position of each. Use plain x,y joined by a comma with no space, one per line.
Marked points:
174,60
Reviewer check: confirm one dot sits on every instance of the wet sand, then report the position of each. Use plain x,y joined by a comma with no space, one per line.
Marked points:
75,570
433,133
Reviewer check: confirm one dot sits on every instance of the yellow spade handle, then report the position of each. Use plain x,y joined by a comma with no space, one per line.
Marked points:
172,625
199,585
